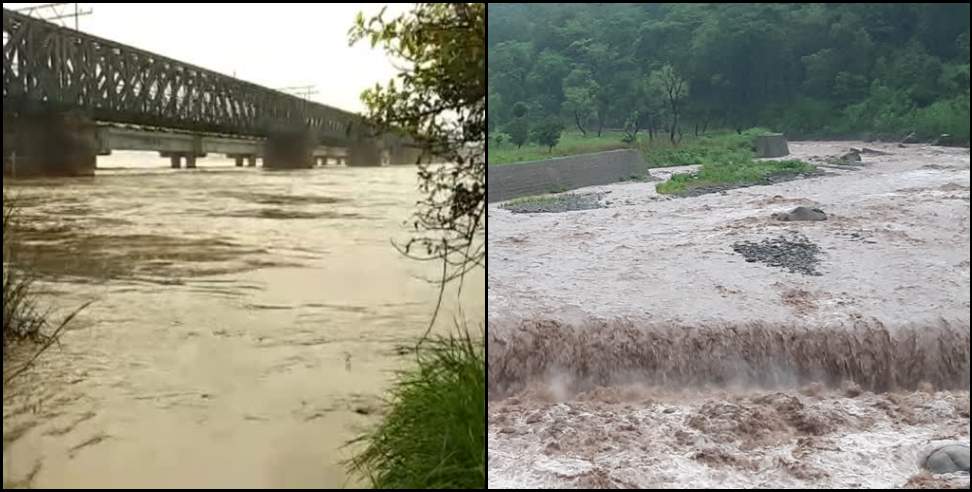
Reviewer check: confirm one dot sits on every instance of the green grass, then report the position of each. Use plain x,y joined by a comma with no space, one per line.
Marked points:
698,150
737,169
535,200
726,159
434,435
571,143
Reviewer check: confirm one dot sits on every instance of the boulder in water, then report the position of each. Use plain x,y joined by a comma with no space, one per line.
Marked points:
801,213
948,459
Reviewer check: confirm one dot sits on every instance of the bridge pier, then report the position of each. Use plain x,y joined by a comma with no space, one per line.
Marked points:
364,153
8,139
289,150
405,156
243,159
50,144
175,159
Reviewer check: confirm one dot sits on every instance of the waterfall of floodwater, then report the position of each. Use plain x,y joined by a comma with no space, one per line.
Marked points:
868,353
246,323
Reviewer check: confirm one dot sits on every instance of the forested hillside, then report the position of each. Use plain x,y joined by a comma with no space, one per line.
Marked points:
809,70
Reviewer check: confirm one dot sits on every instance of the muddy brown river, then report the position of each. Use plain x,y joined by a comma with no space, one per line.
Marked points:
245,323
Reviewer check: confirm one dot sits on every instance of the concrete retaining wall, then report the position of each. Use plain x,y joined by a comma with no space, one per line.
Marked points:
565,173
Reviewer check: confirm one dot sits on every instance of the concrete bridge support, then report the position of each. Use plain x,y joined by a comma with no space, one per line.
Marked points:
405,156
8,139
176,158
293,150
243,159
50,144
364,153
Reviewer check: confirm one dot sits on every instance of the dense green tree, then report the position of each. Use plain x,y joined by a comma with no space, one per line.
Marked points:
439,101
519,131
580,91
807,69
547,133
675,89
520,110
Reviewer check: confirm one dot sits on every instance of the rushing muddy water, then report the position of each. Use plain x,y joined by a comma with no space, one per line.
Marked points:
245,323
631,346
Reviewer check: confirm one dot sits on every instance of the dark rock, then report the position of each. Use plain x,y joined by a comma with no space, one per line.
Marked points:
948,459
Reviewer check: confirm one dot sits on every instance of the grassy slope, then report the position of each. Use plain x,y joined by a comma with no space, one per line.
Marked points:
571,143
435,434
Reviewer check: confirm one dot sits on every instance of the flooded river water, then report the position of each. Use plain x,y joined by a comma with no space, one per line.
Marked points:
244,327
632,346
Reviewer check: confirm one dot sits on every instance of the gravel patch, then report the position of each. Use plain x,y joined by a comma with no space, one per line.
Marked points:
797,254
568,202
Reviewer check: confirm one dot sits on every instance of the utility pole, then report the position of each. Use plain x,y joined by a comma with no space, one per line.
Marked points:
57,12
303,91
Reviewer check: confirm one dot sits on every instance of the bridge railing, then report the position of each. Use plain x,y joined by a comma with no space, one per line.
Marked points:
46,66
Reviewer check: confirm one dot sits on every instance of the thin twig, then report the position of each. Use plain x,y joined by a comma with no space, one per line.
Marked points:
435,314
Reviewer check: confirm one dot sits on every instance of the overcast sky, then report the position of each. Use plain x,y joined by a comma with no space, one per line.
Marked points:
276,45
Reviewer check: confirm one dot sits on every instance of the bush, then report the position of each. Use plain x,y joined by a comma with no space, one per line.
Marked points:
944,117
21,318
434,435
